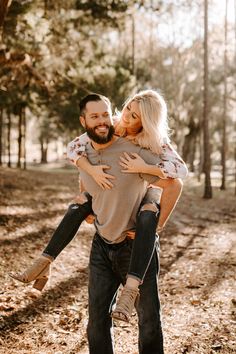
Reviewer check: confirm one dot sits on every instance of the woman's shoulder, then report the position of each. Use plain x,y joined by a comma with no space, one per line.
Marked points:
80,140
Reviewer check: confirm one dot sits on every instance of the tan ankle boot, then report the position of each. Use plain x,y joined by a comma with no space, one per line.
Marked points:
38,271
125,304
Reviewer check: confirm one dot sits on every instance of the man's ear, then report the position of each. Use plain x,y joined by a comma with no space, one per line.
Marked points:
82,121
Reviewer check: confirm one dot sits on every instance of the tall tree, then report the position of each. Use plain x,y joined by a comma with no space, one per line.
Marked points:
4,4
224,118
1,132
206,144
24,136
19,160
235,92
9,137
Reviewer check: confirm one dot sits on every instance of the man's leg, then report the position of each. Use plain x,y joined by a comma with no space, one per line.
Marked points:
144,246
103,284
150,330
148,309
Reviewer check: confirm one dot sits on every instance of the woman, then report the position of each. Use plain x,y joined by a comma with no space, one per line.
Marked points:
144,122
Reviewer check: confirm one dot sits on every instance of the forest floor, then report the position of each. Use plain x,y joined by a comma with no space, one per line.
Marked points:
197,279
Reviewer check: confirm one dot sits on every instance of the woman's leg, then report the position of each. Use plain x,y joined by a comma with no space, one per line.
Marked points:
40,269
144,246
68,227
145,241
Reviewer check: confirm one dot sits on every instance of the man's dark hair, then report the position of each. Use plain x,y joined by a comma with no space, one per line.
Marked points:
92,97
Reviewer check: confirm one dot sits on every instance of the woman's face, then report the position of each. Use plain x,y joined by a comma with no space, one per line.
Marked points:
131,118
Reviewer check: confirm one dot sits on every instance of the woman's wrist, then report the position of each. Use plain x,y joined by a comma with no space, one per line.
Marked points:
154,170
89,169
144,168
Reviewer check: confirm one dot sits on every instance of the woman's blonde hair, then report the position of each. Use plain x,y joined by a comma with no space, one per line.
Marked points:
155,131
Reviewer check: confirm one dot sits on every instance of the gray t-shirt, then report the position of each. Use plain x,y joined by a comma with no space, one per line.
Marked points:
116,209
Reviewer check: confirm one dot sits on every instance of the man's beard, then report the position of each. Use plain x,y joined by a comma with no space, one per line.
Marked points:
100,139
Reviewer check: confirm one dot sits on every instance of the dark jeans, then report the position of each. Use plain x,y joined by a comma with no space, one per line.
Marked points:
68,227
143,246
109,265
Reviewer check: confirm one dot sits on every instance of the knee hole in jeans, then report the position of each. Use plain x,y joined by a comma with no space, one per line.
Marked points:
149,206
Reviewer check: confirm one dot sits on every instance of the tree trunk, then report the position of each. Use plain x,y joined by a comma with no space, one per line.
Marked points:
9,138
190,141
201,155
44,150
224,118
235,88
24,137
133,44
19,138
206,143
235,171
4,4
1,130
45,8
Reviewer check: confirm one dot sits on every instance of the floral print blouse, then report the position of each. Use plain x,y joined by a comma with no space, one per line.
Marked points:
172,164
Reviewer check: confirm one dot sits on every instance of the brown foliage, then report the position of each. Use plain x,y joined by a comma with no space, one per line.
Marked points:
196,281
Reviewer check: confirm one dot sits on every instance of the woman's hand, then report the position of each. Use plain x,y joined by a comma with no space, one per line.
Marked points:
134,164
100,177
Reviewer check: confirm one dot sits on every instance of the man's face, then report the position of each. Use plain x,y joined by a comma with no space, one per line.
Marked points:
97,121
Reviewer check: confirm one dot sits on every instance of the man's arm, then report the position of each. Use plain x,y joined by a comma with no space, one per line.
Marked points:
171,191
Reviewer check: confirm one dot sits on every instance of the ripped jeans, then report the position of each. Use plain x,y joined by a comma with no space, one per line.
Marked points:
68,227
144,243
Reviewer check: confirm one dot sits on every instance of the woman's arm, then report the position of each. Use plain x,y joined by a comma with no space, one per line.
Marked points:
136,164
76,148
77,155
170,166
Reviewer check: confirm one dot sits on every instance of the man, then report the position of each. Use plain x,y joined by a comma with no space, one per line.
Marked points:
115,212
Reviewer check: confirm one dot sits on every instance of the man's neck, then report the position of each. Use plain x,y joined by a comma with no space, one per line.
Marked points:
97,146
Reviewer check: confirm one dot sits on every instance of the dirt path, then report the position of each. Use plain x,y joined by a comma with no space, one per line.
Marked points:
197,280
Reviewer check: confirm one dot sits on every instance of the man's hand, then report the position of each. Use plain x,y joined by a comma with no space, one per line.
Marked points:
90,219
131,234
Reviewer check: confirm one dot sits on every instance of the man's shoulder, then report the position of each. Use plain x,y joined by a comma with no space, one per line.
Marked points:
127,144
149,156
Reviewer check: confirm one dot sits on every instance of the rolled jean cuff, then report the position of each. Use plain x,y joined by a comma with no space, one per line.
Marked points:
134,276
51,258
